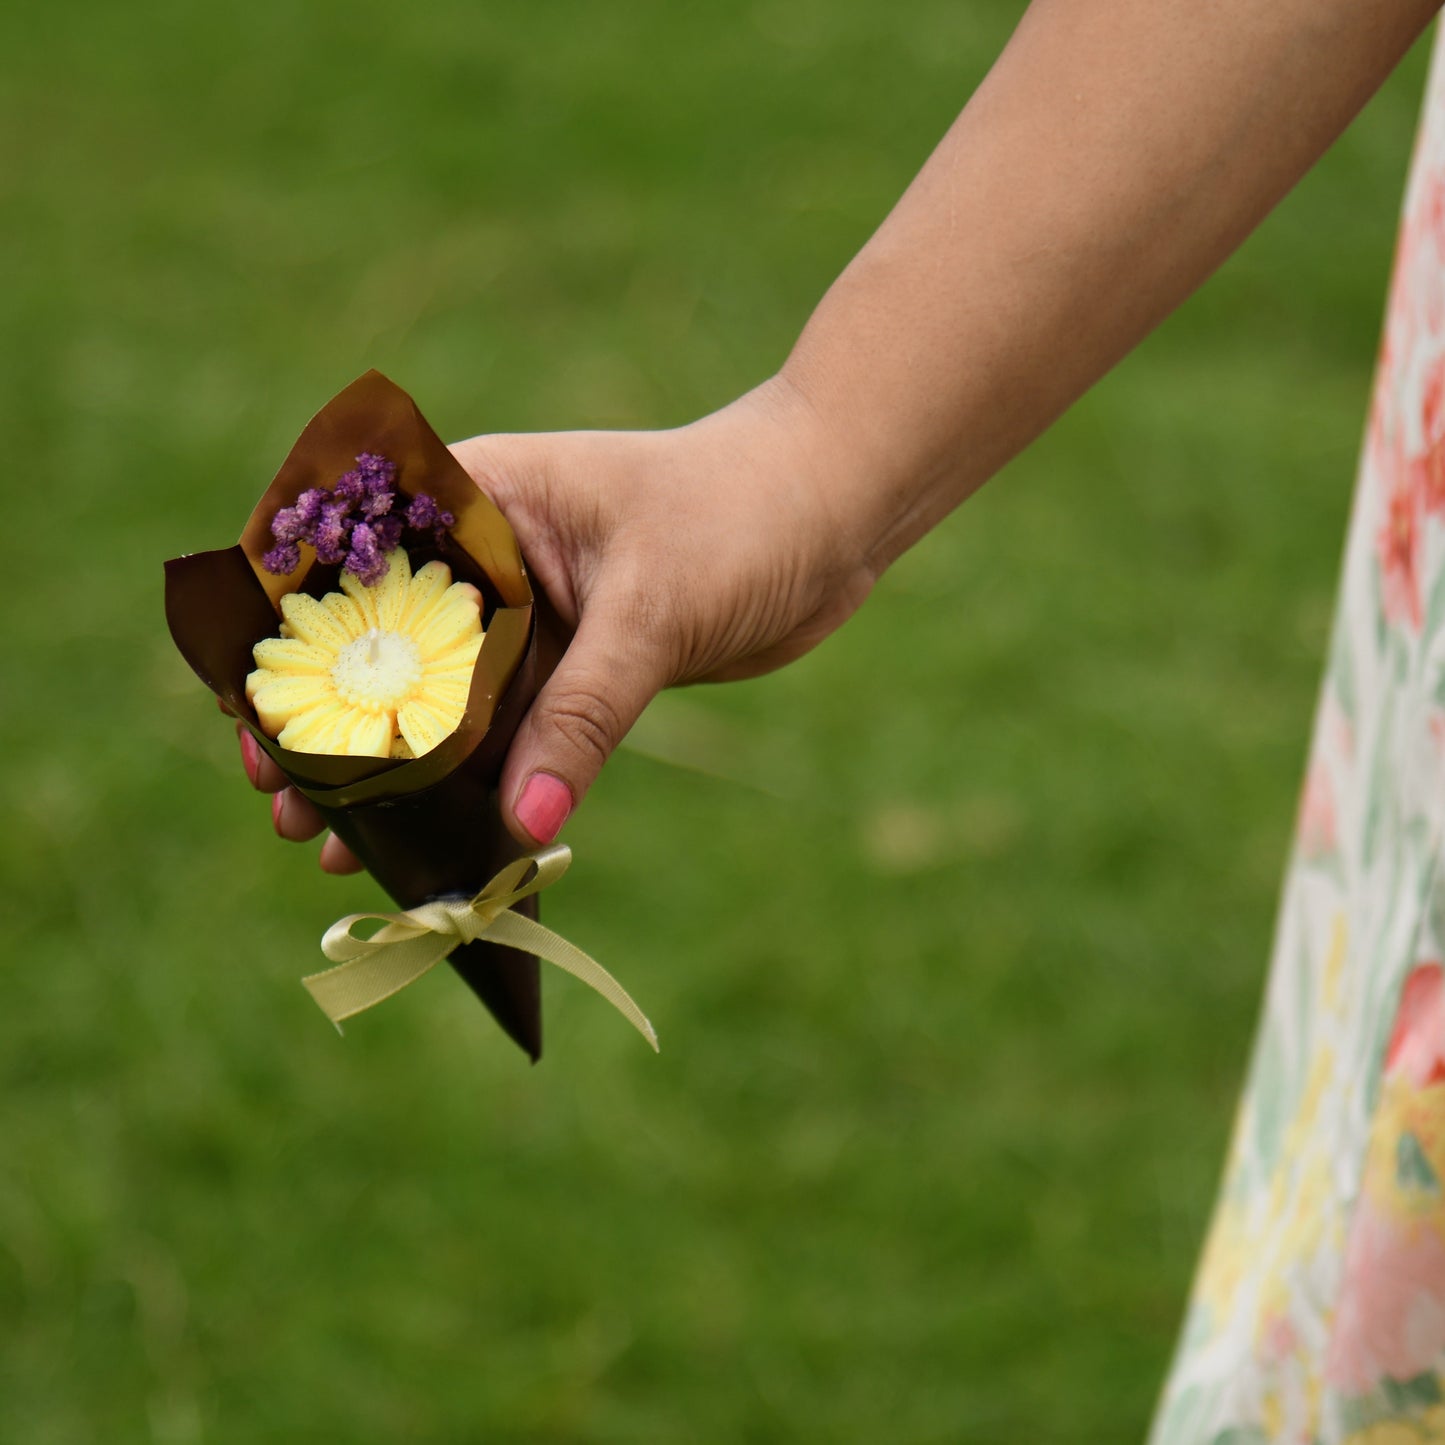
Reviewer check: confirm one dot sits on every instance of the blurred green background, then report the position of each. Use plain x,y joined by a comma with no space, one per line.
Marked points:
954,932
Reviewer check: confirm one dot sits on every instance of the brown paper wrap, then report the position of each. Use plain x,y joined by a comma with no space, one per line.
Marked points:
428,826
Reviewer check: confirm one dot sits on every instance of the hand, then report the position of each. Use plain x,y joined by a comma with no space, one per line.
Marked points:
715,551
1012,274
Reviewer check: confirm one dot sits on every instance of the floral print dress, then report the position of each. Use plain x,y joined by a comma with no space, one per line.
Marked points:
1318,1313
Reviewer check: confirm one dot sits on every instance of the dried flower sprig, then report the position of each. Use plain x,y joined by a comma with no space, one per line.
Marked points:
354,524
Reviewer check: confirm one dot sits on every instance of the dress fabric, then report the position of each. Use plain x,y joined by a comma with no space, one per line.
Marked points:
1318,1311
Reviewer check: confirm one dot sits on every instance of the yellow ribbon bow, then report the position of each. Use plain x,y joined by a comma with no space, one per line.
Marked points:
410,944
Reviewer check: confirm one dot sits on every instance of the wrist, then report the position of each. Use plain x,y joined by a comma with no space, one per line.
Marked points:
800,479
894,469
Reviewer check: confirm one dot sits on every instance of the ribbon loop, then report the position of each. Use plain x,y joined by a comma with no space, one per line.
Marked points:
410,944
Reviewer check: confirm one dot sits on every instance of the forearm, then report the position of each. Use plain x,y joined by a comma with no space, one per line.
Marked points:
1114,156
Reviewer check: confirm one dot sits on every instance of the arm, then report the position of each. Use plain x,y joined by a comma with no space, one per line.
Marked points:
1114,156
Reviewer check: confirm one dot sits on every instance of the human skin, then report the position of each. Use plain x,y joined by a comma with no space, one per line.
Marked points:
1113,157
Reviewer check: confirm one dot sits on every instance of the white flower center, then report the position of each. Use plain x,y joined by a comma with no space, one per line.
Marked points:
378,671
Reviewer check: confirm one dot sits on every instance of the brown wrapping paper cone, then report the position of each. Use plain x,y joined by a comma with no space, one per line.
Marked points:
426,826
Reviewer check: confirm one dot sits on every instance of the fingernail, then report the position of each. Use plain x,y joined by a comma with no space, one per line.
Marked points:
543,806
278,806
250,753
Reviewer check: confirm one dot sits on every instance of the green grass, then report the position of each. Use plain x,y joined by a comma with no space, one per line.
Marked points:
954,944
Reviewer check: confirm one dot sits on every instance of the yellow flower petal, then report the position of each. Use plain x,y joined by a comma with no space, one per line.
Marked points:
308,732
428,586
447,690
453,596
362,595
291,654
311,622
445,705
391,591
423,726
347,611
452,622
370,736
279,697
463,655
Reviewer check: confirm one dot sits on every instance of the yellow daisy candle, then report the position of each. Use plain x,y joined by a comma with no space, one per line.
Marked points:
367,476
375,670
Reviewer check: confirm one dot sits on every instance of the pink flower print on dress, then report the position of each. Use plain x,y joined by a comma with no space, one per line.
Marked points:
1430,286
1427,471
1432,211
1417,1044
1315,827
1432,401
1398,546
1428,476
1279,1340
1390,1318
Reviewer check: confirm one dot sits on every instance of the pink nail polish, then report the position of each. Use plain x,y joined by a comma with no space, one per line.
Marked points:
543,805
278,804
250,754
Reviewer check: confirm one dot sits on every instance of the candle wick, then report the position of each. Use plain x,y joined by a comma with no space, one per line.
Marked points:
373,655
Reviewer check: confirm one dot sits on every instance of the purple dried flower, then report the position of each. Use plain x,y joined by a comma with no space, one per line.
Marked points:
375,467
365,559
308,506
388,532
283,559
351,525
378,475
352,488
425,515
332,533
422,513
379,497
288,526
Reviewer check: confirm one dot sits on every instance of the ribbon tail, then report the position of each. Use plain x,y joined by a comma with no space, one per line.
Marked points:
385,969
515,931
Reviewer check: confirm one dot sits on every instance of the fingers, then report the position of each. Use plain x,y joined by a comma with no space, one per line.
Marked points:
604,680
291,815
295,818
336,857
265,776
613,667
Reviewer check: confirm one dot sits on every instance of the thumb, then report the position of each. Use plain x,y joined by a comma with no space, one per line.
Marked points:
607,676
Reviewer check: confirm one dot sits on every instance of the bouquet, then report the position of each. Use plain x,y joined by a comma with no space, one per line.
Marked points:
374,630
